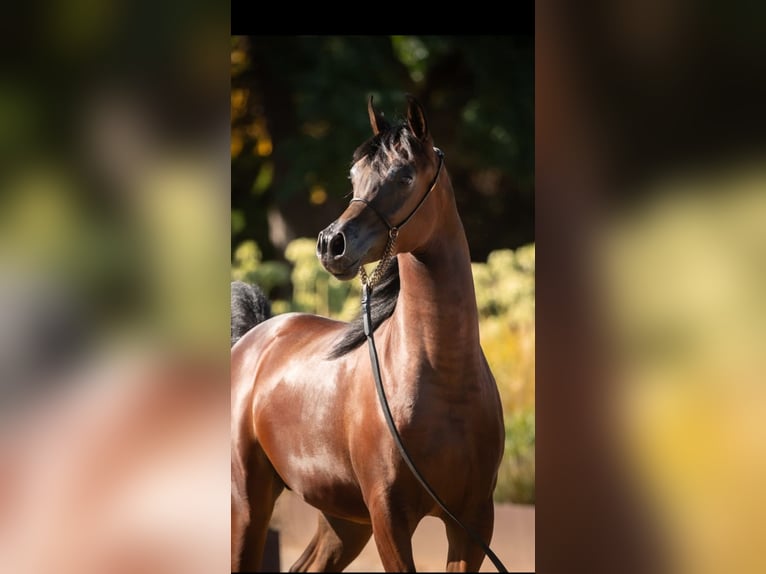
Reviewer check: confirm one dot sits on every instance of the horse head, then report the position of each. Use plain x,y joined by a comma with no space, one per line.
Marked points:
392,174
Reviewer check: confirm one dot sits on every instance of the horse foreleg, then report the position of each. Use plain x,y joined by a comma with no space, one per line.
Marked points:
334,545
392,531
464,554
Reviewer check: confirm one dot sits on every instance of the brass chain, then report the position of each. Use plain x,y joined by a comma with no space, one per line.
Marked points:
385,260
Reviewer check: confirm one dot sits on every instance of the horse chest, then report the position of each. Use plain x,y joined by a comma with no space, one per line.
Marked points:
438,427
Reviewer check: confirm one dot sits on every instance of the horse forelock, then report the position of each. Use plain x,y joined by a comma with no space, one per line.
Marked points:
386,148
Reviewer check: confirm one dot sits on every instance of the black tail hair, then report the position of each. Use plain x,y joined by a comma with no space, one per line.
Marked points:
249,307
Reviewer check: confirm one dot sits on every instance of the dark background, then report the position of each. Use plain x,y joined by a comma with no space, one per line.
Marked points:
299,111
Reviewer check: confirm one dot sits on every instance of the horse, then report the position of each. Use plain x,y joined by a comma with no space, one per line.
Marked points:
305,415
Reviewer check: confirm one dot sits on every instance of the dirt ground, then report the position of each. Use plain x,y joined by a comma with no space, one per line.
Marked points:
513,540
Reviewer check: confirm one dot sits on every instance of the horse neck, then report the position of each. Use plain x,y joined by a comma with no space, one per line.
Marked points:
436,312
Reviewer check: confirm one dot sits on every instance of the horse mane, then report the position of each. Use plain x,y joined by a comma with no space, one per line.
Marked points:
382,306
249,307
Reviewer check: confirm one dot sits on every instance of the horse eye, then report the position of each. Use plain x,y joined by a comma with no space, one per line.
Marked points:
405,180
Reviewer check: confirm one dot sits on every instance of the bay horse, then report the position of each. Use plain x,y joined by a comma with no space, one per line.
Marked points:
305,415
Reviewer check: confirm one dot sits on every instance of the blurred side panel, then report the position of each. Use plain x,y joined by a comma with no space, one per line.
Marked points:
650,178
114,257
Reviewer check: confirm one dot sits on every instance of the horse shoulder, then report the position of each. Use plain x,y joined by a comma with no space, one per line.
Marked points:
260,357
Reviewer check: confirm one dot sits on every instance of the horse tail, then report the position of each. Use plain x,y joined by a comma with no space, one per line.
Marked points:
249,307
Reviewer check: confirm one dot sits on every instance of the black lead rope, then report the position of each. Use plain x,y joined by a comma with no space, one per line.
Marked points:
367,320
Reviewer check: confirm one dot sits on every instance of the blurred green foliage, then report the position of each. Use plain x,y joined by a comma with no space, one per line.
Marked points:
250,268
505,296
315,290
505,293
516,479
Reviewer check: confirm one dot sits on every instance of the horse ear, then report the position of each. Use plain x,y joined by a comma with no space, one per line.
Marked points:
416,118
376,119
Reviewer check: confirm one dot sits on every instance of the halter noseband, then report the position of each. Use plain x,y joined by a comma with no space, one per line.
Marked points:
393,230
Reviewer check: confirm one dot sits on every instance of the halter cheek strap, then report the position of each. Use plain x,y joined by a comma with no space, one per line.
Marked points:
406,220
393,230
382,217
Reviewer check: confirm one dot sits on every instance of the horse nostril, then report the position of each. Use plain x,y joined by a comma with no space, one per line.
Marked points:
338,245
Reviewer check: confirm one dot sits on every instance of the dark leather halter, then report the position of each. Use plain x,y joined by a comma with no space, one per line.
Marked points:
394,229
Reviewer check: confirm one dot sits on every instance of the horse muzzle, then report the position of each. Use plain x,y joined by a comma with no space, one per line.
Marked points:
334,253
